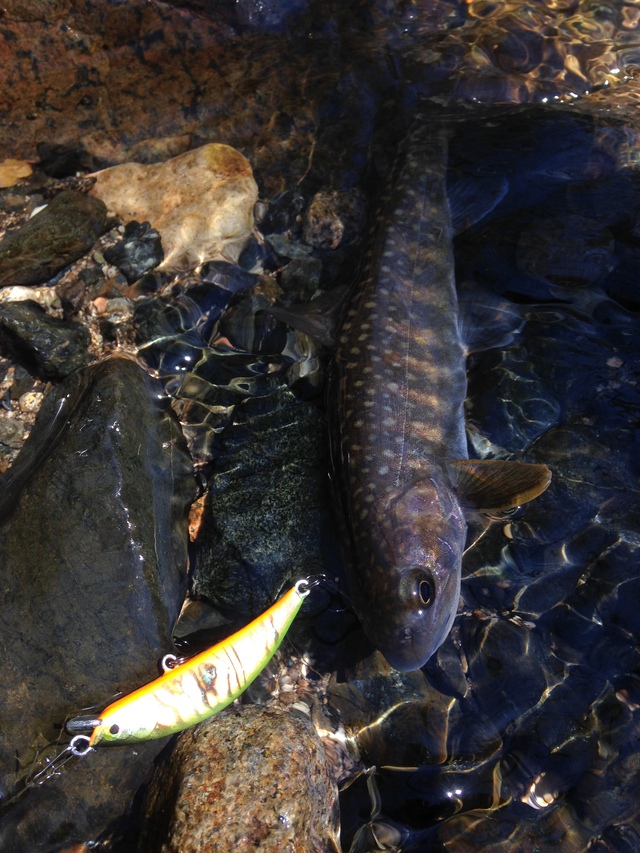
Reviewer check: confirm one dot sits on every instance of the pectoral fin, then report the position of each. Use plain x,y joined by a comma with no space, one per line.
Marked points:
493,484
319,318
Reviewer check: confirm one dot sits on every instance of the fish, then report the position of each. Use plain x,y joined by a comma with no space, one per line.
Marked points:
193,690
400,455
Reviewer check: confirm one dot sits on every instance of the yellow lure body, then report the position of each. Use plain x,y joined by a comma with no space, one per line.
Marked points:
204,684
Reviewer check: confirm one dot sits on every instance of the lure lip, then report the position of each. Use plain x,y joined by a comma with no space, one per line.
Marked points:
83,724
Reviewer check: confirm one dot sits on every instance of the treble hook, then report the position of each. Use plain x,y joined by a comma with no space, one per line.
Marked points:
77,747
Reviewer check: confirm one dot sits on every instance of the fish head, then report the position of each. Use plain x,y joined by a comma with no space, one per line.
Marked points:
417,550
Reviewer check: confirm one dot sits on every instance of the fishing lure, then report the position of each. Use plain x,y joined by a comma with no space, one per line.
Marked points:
193,690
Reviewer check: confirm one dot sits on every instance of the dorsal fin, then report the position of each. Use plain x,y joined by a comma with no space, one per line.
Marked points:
493,484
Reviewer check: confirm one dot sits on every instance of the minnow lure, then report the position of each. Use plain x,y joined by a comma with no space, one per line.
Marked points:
196,689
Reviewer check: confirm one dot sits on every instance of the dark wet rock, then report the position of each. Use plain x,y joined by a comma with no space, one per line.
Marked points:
93,550
284,213
288,248
52,239
251,328
193,312
255,255
302,276
249,778
264,521
139,251
50,347
74,292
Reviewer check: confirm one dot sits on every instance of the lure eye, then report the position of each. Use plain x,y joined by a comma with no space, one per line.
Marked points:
114,729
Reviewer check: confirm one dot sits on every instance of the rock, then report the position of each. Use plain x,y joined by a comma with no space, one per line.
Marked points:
139,251
263,525
10,433
50,347
288,248
191,316
334,219
89,96
284,213
12,170
249,778
58,235
201,202
93,554
31,401
302,276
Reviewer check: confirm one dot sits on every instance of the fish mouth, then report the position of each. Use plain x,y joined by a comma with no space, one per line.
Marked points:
405,655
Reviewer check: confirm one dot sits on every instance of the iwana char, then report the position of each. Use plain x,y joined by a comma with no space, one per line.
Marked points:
401,451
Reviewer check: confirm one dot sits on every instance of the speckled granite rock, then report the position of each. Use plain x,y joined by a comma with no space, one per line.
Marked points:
58,235
146,81
201,202
250,778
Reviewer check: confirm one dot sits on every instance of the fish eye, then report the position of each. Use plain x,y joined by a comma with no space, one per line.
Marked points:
426,591
419,588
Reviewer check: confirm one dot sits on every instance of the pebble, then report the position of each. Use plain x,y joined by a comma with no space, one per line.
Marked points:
12,170
11,432
200,202
31,401
250,778
288,248
302,276
44,296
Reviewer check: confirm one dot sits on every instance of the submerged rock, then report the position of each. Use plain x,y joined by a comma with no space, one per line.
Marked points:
139,251
46,345
334,219
58,235
93,550
265,515
250,778
201,202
